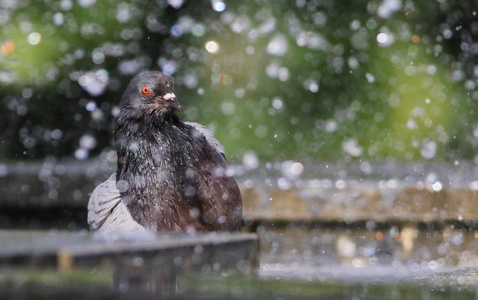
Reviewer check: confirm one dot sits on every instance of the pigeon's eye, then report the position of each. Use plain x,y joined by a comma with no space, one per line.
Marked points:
146,90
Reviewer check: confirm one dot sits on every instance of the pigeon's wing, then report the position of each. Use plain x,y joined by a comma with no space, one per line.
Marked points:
209,137
223,210
106,210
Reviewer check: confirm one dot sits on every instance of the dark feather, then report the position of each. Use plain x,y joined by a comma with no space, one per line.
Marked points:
170,177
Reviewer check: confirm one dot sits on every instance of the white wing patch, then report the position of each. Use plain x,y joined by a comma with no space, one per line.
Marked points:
106,210
209,137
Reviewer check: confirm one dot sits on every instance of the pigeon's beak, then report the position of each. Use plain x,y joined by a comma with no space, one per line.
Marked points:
172,101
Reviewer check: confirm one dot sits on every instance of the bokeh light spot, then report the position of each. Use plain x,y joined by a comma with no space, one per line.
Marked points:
34,38
7,48
218,5
212,47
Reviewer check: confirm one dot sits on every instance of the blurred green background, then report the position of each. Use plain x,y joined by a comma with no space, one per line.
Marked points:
350,80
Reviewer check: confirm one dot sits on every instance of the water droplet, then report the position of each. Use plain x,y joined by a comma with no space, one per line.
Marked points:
296,168
91,106
212,47
388,7
81,154
250,160
168,66
133,147
370,77
428,149
115,111
66,5
272,70
228,107
292,169
458,75
283,184
277,103
94,82
87,141
340,184
447,34
198,30
176,30
98,56
278,45
283,74
351,147
353,62
56,134
123,13
331,125
366,167
437,186
218,5
370,225
432,69
22,110
312,86
3,170
261,131
474,186
122,186
412,124
345,247
355,25
239,93
58,19
240,24
86,3
53,194
176,3
190,191
394,232
190,80
385,39
34,38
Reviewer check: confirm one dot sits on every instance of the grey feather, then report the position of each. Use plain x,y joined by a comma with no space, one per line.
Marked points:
209,136
106,210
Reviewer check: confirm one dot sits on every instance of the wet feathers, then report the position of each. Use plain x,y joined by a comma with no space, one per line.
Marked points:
171,175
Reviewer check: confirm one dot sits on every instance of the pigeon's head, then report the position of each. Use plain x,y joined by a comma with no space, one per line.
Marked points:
150,93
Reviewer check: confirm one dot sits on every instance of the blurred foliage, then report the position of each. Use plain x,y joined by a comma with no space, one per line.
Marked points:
327,79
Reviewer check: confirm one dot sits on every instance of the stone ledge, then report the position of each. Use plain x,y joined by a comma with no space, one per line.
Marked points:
323,193
66,250
318,200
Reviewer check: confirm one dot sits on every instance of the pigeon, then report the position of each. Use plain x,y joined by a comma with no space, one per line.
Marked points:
171,175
